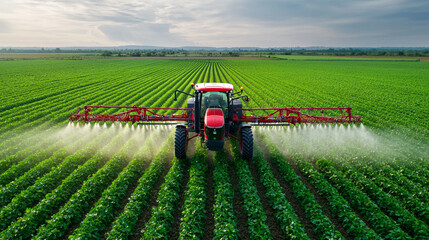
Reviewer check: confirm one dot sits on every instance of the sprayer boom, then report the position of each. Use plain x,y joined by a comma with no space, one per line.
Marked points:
214,112
274,116
131,114
300,115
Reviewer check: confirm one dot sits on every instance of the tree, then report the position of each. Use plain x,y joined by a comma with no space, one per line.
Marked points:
106,53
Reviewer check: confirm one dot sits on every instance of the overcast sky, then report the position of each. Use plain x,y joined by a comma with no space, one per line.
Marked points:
218,23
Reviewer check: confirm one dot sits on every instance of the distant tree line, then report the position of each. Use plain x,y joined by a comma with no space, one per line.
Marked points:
233,52
414,52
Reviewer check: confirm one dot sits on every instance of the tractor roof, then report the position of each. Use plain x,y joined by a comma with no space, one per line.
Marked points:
214,87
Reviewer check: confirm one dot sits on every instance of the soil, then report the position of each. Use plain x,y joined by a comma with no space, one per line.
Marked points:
321,201
147,211
126,199
202,58
358,213
74,226
209,229
238,198
288,192
175,227
272,222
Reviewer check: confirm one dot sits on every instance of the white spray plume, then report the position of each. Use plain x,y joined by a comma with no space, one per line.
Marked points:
337,142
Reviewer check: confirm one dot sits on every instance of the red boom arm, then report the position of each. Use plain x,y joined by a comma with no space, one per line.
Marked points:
132,114
274,115
297,115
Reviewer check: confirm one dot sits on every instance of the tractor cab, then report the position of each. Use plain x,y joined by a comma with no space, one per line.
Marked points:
214,115
214,99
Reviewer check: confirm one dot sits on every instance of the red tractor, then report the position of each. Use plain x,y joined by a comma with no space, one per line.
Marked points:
214,112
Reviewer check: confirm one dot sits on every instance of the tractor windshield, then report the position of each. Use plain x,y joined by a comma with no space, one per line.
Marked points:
214,100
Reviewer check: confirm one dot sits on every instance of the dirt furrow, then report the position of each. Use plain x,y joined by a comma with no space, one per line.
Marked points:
288,192
320,200
238,199
209,230
146,214
175,227
272,223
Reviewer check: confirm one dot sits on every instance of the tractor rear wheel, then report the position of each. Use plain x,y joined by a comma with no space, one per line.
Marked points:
246,143
180,142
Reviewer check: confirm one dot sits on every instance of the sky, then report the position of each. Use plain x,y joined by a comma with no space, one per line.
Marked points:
218,23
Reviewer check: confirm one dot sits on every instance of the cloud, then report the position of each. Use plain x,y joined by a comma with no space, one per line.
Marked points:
148,34
4,27
215,23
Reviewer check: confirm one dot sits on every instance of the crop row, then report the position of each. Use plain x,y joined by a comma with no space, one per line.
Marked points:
39,157
257,218
382,225
122,87
417,175
48,118
27,139
37,215
162,217
408,222
36,79
341,209
410,201
194,213
123,227
389,186
46,166
80,202
338,206
116,80
284,212
45,184
61,226
11,159
385,170
224,218
103,212
323,227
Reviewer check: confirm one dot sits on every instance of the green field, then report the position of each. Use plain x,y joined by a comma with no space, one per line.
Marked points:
120,181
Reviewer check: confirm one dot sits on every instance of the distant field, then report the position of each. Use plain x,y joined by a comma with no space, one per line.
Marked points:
32,56
350,58
120,181
82,56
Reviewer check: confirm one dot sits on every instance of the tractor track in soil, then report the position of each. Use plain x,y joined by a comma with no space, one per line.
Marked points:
175,226
147,210
288,192
272,222
238,198
320,200
209,229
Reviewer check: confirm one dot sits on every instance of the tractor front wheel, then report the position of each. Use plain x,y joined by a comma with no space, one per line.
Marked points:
180,142
246,143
